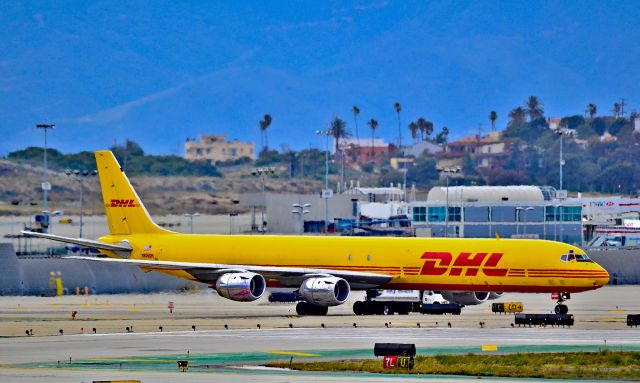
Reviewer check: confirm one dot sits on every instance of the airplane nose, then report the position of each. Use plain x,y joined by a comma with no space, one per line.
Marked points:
602,281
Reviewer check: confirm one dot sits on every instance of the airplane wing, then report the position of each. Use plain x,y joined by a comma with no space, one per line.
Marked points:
286,276
123,246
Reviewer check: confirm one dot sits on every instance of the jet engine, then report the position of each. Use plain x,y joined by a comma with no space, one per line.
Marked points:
244,287
495,295
466,298
325,291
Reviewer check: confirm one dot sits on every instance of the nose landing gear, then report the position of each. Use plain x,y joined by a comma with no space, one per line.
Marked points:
561,297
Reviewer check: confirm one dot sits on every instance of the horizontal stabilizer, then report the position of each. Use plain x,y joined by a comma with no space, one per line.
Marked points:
121,247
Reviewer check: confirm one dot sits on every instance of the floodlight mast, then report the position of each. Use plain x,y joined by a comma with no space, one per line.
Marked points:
45,184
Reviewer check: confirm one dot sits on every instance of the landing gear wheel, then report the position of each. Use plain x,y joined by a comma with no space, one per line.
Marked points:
321,310
301,308
306,308
359,308
561,309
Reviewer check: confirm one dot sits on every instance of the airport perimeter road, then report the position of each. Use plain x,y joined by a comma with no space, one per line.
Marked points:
257,376
238,347
21,350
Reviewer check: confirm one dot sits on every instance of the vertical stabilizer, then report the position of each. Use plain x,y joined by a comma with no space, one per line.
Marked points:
125,212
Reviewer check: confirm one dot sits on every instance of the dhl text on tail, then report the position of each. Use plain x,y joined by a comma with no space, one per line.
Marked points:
326,269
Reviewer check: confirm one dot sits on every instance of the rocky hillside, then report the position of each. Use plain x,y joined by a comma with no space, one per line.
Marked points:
20,191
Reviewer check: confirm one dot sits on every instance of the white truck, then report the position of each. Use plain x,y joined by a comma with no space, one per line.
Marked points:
388,302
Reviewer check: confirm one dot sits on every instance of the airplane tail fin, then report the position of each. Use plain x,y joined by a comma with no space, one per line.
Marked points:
125,212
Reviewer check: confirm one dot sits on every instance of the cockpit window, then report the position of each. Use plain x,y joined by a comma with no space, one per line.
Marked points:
583,258
571,256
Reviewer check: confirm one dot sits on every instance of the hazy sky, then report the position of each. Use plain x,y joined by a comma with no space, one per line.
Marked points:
159,72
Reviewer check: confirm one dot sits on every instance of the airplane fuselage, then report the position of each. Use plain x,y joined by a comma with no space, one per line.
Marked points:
460,264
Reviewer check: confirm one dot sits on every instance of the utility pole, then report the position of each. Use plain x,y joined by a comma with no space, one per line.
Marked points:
79,175
561,133
46,186
262,172
447,172
326,193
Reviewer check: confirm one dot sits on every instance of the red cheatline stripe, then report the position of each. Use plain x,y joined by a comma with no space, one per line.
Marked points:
481,287
567,270
560,273
564,276
567,276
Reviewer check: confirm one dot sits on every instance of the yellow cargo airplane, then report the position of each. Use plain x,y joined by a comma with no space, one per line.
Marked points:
326,269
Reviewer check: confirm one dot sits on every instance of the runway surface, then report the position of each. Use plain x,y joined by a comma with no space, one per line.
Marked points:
150,355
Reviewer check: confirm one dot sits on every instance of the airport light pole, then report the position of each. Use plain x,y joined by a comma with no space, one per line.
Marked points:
46,186
300,210
342,184
519,210
80,175
262,172
191,216
560,132
447,172
326,194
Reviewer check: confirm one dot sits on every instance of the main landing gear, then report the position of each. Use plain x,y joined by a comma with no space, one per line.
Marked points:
561,308
306,308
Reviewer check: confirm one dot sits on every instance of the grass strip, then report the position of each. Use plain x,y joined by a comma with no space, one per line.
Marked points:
605,364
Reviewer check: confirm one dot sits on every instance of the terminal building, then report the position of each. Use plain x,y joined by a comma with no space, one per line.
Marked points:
504,211
472,212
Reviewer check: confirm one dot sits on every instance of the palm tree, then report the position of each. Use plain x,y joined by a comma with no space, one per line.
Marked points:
428,130
535,110
425,127
373,124
592,109
338,130
413,128
617,109
356,111
398,108
518,116
493,116
264,125
442,137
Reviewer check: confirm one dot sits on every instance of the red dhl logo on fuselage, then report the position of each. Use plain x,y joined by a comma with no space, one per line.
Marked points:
438,263
122,203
